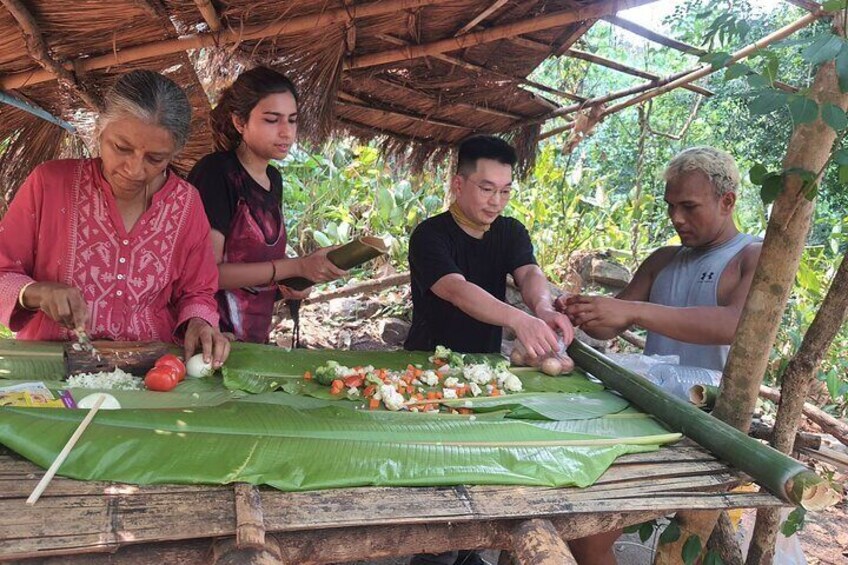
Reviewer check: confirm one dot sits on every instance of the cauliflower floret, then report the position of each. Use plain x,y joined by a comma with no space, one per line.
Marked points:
353,391
480,374
391,398
475,389
449,393
512,384
429,378
444,369
451,382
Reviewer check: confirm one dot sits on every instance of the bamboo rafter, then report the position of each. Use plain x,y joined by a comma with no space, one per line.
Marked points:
706,70
496,33
568,39
471,107
610,64
494,7
35,110
37,49
226,37
210,15
348,101
673,43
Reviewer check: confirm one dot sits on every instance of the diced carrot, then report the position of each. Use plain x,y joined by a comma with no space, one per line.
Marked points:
419,396
307,376
373,404
439,394
369,390
460,392
496,392
439,362
338,383
432,395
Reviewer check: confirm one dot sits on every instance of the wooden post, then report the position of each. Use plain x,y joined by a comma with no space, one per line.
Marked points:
536,542
809,149
250,524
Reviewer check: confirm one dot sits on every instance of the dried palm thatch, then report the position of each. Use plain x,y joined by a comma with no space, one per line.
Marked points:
458,67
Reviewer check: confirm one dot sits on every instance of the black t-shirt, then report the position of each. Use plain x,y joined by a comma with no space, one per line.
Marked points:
222,180
439,247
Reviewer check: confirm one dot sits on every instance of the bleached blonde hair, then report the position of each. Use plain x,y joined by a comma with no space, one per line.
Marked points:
718,165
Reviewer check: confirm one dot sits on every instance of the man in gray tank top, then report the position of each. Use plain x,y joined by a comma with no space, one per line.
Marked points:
689,297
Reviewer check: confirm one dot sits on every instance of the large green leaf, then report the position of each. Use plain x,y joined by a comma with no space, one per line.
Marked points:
301,450
547,405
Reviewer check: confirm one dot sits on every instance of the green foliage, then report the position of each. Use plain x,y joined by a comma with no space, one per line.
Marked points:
691,549
794,523
671,533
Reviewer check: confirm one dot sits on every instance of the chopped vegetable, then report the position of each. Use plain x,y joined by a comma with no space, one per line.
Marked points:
117,379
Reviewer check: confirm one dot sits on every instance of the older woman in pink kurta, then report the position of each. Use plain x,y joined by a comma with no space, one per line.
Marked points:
119,245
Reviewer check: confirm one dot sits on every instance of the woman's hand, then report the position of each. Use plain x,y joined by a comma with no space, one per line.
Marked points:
60,302
215,346
317,268
288,293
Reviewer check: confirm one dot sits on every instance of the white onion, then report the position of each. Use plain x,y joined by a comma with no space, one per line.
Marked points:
197,368
109,403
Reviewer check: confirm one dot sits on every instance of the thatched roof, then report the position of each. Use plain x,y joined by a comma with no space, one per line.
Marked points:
422,73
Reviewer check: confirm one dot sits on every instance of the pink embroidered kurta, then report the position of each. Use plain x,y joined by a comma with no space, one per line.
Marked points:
64,226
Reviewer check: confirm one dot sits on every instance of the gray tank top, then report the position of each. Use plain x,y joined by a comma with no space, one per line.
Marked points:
691,279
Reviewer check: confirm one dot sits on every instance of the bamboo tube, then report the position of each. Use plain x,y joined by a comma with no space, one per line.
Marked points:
228,37
782,475
347,256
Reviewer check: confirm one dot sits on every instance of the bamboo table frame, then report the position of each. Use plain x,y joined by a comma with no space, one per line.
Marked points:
97,522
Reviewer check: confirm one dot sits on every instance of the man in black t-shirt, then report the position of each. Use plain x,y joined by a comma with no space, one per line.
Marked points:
459,261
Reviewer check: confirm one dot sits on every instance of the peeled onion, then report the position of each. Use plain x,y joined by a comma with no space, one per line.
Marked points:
516,358
567,363
109,402
196,367
552,366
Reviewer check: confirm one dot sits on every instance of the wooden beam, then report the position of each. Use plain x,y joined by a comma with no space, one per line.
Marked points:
485,70
706,70
568,39
610,64
210,15
557,19
226,37
494,7
37,49
536,542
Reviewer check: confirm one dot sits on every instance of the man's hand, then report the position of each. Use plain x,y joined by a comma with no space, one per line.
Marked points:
534,334
215,346
558,322
62,303
600,311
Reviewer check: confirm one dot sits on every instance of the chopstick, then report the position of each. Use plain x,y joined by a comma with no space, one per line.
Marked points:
48,476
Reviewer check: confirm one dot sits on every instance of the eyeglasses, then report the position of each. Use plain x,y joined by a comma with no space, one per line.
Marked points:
488,190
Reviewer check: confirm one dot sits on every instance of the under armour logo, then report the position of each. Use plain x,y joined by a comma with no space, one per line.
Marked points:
707,276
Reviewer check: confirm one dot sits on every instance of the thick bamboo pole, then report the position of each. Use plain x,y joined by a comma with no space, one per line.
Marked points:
705,70
210,16
228,37
782,475
496,33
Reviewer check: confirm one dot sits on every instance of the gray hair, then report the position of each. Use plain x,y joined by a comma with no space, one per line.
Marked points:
718,165
151,97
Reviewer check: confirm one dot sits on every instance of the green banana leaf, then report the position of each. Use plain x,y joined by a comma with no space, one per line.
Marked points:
547,405
291,449
31,360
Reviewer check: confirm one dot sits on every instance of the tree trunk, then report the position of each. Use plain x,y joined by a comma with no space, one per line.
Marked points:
809,149
797,378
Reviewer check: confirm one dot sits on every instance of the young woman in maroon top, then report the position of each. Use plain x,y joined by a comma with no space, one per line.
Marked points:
254,122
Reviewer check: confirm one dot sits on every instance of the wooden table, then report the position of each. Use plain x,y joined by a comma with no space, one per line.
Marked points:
96,522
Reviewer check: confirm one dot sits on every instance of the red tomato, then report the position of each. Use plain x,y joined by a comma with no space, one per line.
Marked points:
161,379
170,360
353,381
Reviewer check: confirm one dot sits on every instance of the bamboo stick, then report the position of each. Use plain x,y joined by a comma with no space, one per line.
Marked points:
493,7
822,419
35,111
536,542
51,472
228,37
496,33
706,70
782,475
210,16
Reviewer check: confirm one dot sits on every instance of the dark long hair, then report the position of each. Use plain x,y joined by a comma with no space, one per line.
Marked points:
240,99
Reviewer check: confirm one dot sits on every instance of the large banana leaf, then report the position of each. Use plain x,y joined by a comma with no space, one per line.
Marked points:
302,450
31,360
